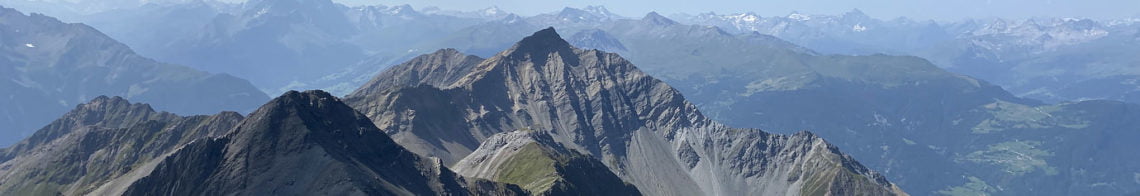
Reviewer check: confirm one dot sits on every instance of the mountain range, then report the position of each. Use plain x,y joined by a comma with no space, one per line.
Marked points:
876,105
50,66
1050,59
1040,106
639,136
599,104
333,47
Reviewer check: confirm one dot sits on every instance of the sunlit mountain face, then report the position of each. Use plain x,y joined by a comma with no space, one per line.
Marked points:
171,97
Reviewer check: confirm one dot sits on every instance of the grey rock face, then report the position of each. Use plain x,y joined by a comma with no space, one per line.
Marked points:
105,141
306,143
600,104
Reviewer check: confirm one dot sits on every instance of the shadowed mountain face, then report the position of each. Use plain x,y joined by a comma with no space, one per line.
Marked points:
601,105
49,66
300,143
98,146
305,143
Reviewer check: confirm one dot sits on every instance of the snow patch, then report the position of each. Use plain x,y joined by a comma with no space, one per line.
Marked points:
859,28
30,45
801,17
261,12
492,11
749,17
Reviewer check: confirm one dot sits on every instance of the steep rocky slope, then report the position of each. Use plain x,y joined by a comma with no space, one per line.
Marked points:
306,143
601,105
98,143
536,162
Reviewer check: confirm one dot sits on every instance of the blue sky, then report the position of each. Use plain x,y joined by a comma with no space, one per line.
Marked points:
885,9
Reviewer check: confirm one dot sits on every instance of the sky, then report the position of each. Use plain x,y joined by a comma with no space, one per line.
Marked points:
883,9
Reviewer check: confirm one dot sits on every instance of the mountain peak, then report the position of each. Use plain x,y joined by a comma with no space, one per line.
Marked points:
657,19
320,113
596,39
310,95
570,11
104,100
512,19
541,43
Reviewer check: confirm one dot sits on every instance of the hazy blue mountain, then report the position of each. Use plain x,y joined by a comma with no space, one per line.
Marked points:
310,43
50,66
850,33
596,39
448,105
69,10
1052,59
298,40
155,27
487,14
482,38
576,18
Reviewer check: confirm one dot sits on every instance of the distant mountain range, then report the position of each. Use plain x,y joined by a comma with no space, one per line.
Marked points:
1051,59
50,66
325,45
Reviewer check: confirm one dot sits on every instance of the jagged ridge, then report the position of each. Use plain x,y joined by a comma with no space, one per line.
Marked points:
99,143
